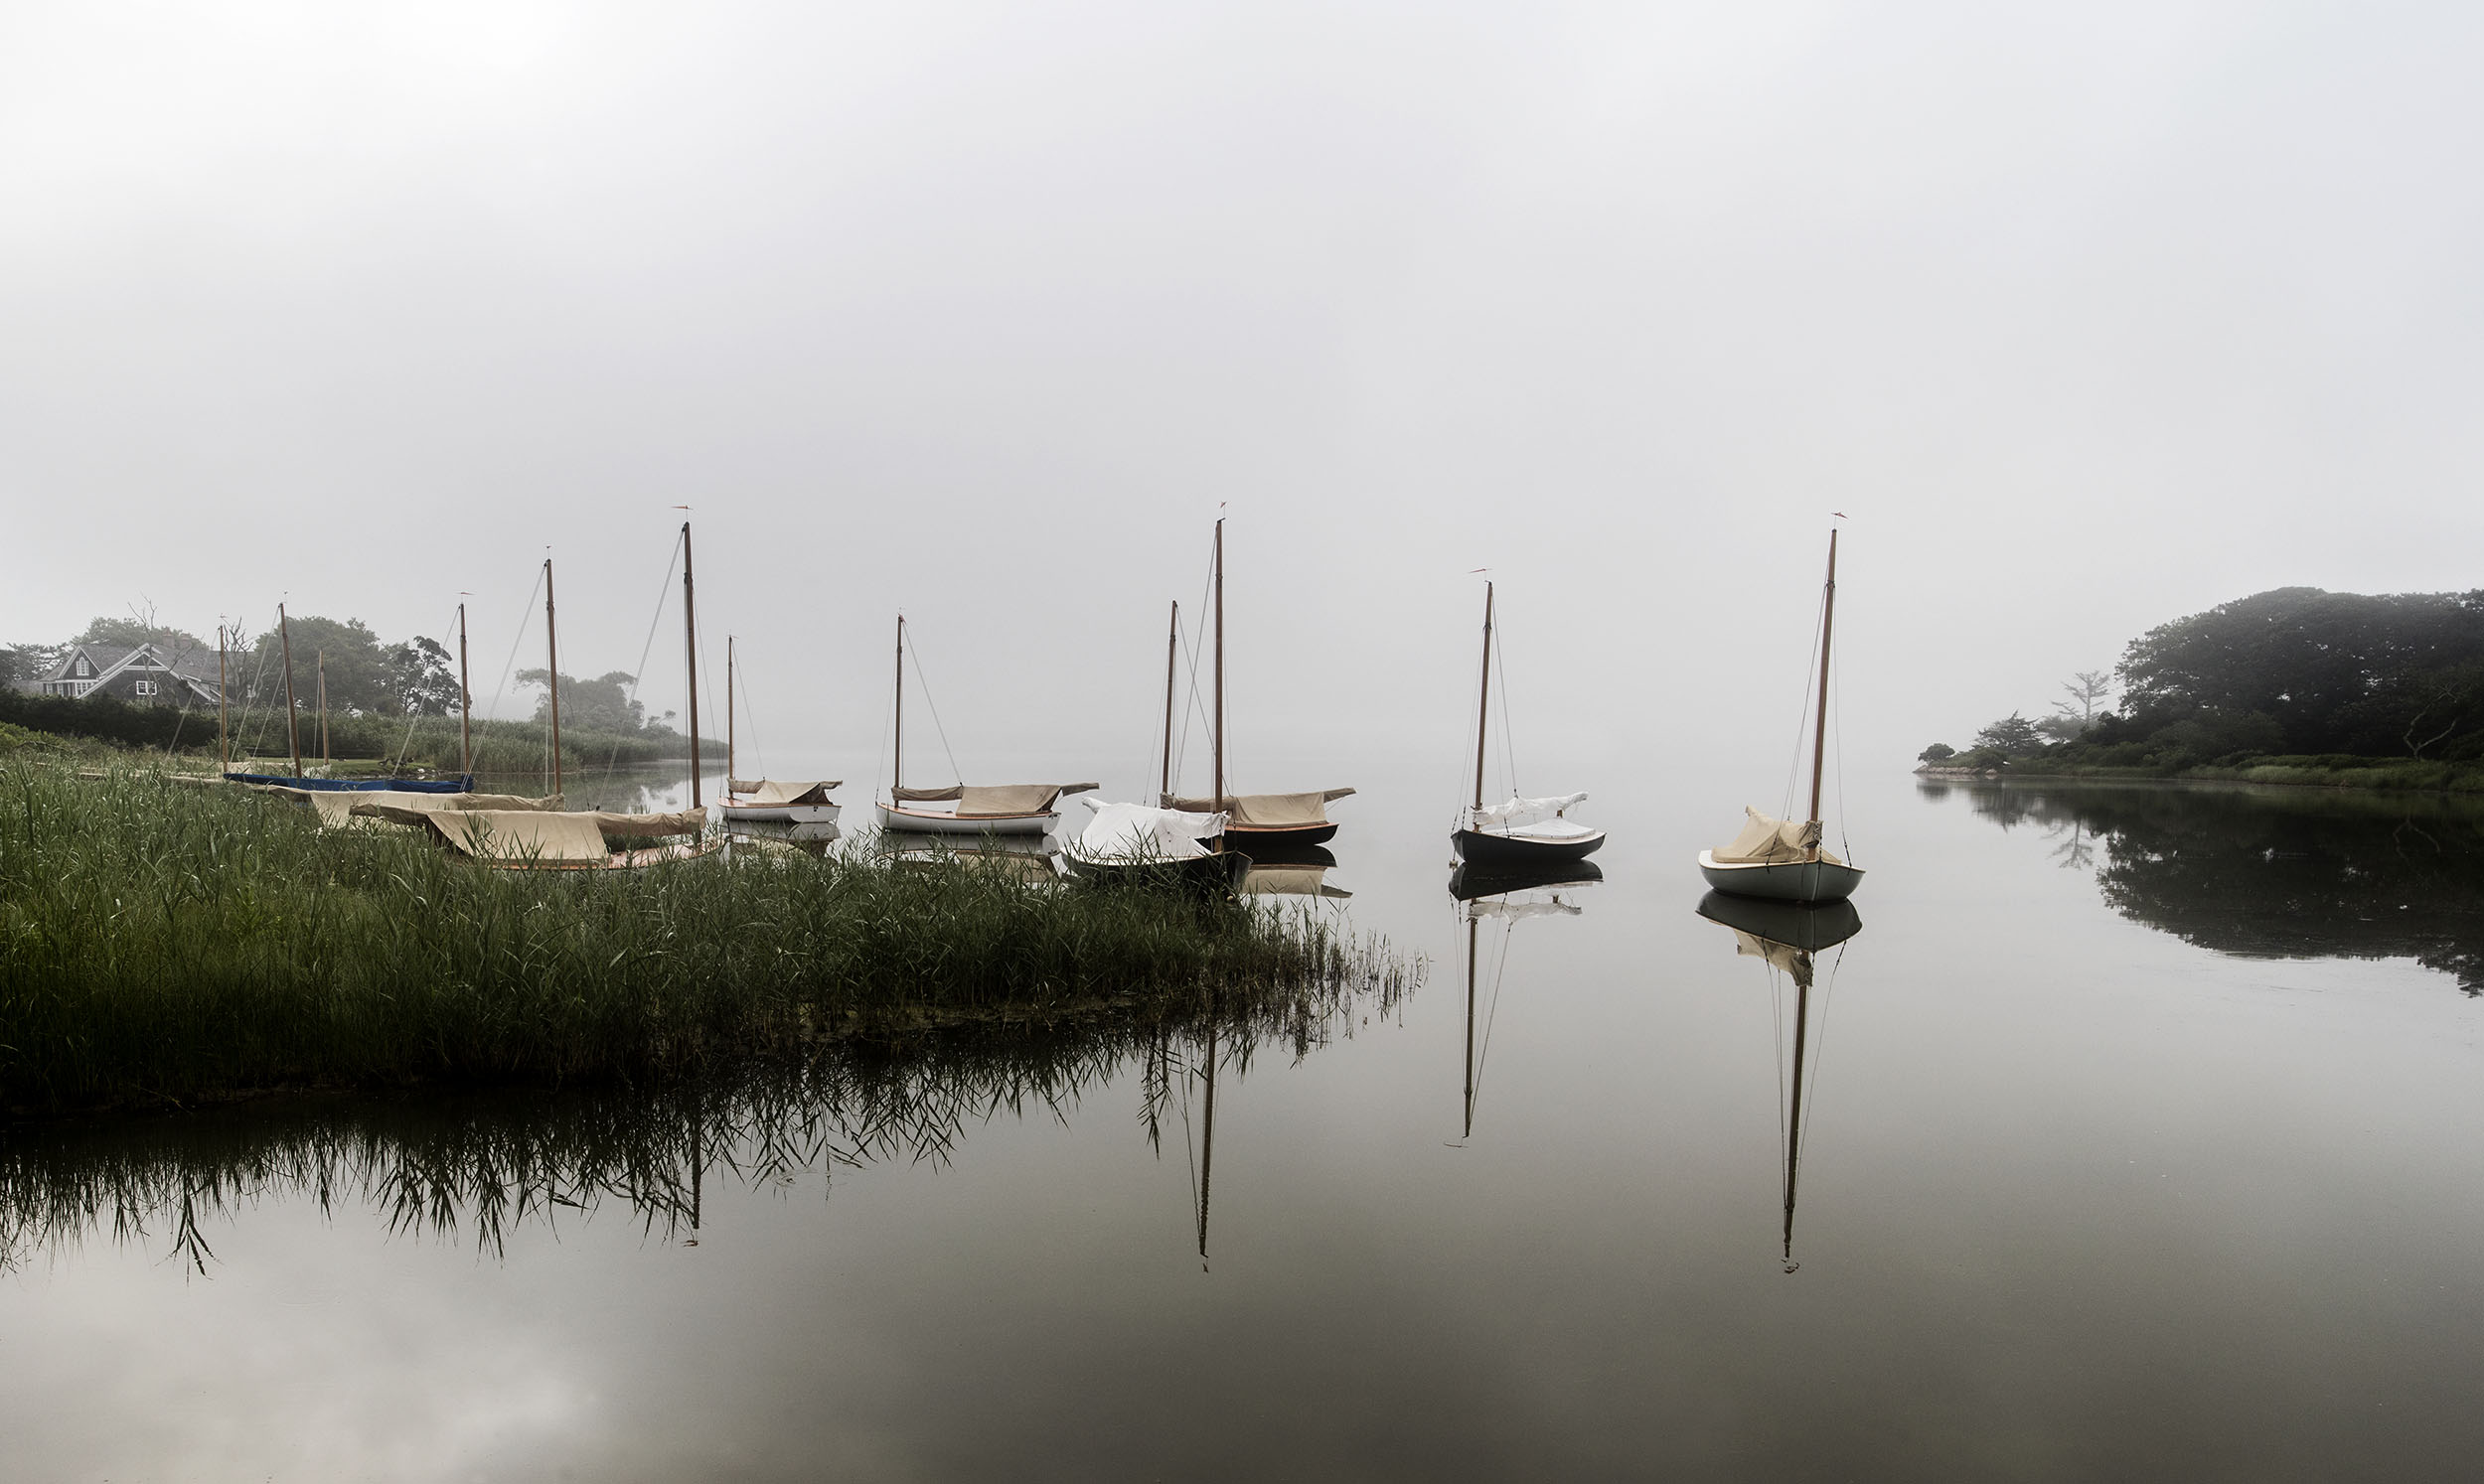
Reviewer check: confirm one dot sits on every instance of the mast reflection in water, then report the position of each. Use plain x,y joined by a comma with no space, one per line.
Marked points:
2271,872
1508,895
1788,939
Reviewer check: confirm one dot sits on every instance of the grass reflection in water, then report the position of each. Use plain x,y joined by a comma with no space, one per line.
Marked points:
478,1164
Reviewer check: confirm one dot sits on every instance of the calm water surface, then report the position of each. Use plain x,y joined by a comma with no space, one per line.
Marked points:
2138,1136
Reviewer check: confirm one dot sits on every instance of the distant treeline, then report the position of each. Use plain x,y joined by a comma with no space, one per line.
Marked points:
419,742
2294,675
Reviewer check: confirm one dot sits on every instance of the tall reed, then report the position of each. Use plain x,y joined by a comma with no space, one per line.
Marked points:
162,943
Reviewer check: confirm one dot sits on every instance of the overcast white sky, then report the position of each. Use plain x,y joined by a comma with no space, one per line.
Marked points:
2087,316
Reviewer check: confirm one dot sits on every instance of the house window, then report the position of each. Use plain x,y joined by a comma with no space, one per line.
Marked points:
83,669
146,688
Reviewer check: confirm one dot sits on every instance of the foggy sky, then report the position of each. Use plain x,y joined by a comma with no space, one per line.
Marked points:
2088,317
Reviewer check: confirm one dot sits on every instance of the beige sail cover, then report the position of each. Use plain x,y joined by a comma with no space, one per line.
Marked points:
520,835
620,826
1289,881
1269,811
773,791
1768,840
412,808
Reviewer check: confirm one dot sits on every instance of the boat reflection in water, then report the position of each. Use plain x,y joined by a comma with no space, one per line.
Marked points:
1788,938
1505,895
784,840
1302,871
2270,873
1029,858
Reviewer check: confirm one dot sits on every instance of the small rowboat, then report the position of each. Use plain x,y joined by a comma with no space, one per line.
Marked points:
358,785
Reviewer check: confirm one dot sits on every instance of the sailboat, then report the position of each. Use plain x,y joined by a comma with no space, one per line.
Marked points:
1254,820
465,784
1150,842
1512,897
1786,935
980,808
1777,859
768,800
1522,831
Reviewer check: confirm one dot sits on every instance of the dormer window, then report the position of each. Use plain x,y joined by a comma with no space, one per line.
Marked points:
85,670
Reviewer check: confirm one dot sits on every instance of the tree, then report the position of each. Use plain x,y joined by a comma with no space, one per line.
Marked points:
2090,691
1938,753
33,660
424,684
360,676
602,704
141,628
2014,735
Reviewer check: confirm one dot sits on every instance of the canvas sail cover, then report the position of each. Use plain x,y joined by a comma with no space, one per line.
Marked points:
1506,816
771,792
1289,881
412,809
1769,841
1784,956
991,801
1134,832
1268,811
520,835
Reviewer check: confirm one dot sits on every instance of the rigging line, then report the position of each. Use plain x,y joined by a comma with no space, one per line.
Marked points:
1819,1058
672,563
407,745
1491,1010
1837,724
914,651
525,615
752,713
1810,668
1508,734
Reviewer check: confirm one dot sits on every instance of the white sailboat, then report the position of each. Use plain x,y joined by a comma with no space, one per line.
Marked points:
771,801
976,808
1522,831
1778,859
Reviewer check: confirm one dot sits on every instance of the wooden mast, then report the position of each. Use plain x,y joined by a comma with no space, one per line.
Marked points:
292,718
224,748
689,626
1219,730
1207,1144
1165,777
321,664
1819,730
728,715
896,768
552,643
465,702
1484,706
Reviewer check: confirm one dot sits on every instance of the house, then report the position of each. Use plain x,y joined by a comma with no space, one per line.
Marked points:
150,675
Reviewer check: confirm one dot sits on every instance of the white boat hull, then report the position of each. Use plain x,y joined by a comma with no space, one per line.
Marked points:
780,813
923,822
1781,881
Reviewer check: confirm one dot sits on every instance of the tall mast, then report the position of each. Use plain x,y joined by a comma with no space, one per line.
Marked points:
321,664
1165,779
1483,705
292,718
689,626
465,701
1220,729
1819,730
1207,1144
896,769
223,749
728,715
552,643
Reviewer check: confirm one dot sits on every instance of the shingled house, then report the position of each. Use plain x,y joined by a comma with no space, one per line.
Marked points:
150,675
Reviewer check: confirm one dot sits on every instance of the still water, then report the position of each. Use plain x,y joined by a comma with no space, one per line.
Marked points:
2138,1136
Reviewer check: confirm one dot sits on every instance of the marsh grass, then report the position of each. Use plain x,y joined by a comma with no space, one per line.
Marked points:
162,943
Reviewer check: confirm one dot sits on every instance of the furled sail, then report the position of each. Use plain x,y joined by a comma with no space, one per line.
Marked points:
1134,832
1275,811
1771,840
539,834
1517,812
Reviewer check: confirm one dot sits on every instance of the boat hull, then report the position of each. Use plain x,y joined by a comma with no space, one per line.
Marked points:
1483,847
1471,880
1796,925
1211,872
1256,838
782,814
917,821
358,785
1781,881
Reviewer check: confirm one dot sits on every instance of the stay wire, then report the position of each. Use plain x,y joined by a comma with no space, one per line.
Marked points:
914,651
664,595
